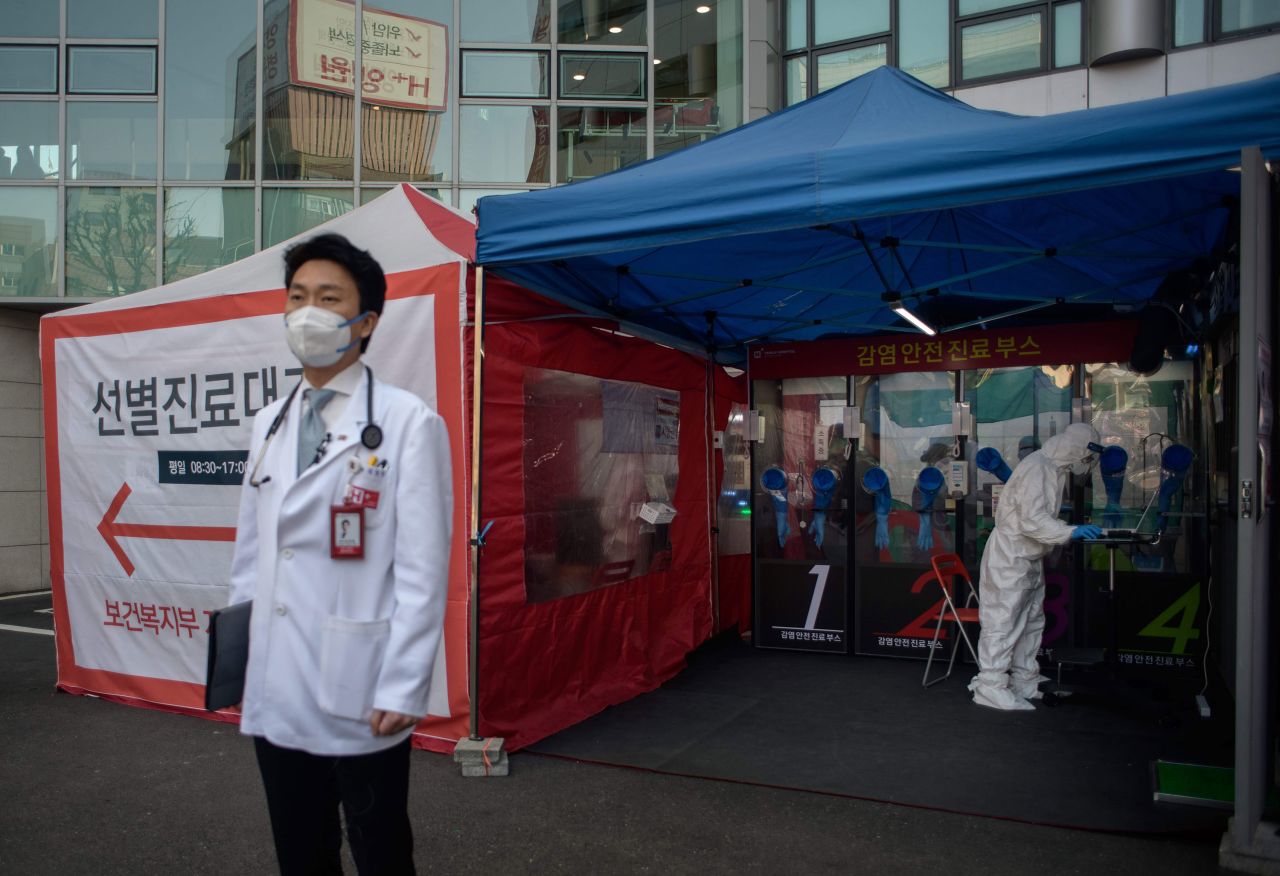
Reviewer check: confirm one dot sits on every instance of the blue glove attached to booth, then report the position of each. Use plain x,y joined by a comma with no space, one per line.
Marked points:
774,481
989,460
1086,531
876,482
929,482
1112,463
1175,464
824,482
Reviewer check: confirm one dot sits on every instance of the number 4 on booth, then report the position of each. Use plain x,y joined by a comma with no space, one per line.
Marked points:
1185,608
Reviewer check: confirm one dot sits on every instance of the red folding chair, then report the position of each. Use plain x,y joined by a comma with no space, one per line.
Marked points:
946,569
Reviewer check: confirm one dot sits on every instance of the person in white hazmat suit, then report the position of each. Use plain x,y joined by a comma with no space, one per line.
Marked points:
1011,592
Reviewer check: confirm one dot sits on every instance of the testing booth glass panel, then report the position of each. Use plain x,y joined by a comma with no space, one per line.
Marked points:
1015,410
1150,480
800,513
903,513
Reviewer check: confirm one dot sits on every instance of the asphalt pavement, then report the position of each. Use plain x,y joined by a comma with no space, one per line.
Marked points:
93,787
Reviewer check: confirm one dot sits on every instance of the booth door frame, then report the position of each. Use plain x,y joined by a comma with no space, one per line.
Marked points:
1244,839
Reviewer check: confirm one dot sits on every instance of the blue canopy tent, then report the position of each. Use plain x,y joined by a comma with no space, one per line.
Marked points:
811,222
819,220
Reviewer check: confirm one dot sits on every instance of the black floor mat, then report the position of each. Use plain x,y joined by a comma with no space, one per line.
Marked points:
864,727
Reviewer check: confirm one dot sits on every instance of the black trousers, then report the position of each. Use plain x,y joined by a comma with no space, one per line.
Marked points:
303,795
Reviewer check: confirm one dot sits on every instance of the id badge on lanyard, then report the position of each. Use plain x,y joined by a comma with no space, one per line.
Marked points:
346,532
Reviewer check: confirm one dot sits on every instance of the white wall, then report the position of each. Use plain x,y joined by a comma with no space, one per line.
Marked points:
24,528
1186,70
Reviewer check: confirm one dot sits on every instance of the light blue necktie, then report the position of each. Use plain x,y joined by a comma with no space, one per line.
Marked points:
313,430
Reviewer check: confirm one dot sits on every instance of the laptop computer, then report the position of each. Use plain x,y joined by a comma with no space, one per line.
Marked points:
1137,527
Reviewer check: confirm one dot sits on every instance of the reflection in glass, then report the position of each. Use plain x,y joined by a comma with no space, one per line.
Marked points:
111,70
797,24
22,18
208,89
835,68
205,228
368,194
127,19
467,197
1245,14
111,141
503,144
924,48
1188,22
28,69
735,490
1066,34
28,241
835,20
29,140
504,74
110,240
598,140
998,47
973,7
602,76
797,80
308,130
698,85
506,21
608,22
287,213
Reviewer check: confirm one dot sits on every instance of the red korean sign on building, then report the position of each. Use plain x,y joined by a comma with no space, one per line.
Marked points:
405,58
954,351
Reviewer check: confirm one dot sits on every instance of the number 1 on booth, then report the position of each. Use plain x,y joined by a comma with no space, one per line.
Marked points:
819,587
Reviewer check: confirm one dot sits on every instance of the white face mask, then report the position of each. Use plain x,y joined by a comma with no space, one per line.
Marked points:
1084,466
319,337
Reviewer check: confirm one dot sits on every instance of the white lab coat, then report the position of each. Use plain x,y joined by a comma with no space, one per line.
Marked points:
333,639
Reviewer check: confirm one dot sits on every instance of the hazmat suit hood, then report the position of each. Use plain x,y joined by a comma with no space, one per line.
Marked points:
1070,449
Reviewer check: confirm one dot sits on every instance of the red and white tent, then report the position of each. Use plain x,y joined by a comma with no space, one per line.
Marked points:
148,402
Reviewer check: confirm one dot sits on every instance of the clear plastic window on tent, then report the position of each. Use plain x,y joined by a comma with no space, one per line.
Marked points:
600,471
1150,418
906,428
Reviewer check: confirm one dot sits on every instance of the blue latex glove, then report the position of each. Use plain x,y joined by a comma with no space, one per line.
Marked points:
876,482
929,482
1086,531
774,481
989,460
824,483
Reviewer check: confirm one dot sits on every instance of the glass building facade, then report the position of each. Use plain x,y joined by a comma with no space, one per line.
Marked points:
144,141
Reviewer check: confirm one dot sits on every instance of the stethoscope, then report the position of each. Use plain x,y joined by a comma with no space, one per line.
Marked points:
370,435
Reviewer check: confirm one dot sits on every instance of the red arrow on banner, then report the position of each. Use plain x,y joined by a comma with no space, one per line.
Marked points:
111,531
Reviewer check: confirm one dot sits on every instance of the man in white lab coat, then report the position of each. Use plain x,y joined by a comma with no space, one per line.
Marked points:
343,547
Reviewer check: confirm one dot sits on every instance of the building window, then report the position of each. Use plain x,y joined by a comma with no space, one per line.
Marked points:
505,74
1240,16
942,43
29,69
1002,46
111,70
602,76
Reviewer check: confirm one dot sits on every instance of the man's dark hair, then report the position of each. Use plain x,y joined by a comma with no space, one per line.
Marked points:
363,268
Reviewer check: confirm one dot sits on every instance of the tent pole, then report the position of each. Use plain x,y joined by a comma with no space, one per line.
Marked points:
477,364
478,757
713,494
